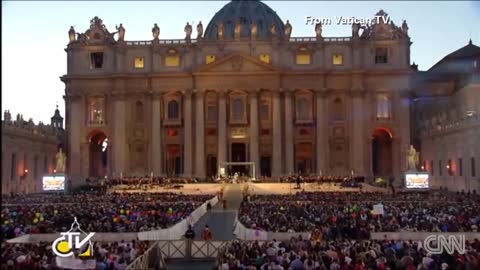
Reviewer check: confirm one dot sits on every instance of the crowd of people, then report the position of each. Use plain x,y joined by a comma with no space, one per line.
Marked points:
132,212
351,214
39,256
320,254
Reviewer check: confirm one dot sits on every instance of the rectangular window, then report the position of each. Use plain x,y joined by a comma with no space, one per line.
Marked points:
337,59
212,114
172,61
265,58
440,167
139,62
96,60
264,112
460,167
210,58
381,55
431,167
472,160
303,59
13,168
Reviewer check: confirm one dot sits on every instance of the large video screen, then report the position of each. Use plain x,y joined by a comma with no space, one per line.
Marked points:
416,180
53,183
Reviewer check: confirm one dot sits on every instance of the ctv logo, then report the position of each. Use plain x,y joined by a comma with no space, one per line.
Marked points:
63,246
448,242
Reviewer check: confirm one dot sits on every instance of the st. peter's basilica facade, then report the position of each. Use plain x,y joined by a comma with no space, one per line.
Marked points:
243,90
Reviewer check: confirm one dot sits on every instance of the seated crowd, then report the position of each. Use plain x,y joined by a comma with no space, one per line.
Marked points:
110,213
319,254
39,256
137,180
351,215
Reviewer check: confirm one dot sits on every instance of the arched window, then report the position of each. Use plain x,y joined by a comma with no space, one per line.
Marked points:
303,109
173,111
338,109
238,110
139,112
383,107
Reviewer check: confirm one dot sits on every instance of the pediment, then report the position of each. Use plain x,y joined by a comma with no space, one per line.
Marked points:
236,63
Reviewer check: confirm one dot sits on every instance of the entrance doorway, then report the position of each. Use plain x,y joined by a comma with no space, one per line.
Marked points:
265,166
304,157
211,166
382,153
98,156
174,161
239,154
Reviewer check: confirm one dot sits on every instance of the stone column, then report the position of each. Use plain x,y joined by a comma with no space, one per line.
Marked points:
277,135
321,132
187,131
200,135
254,156
403,121
75,140
222,129
156,136
119,143
358,121
289,159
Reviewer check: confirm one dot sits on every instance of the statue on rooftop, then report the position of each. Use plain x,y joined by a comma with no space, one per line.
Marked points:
155,31
253,30
405,27
61,160
355,29
121,32
273,30
288,30
318,30
71,34
221,30
188,31
199,30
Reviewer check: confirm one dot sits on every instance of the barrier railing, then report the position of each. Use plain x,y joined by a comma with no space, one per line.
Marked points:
207,249
151,259
178,230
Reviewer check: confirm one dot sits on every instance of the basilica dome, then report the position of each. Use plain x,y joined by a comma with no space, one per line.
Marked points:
246,12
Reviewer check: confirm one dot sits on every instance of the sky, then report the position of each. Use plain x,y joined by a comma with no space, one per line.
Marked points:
35,34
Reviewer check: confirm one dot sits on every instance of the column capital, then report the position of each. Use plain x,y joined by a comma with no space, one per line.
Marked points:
277,92
221,93
253,93
156,95
187,92
357,93
199,92
288,91
322,92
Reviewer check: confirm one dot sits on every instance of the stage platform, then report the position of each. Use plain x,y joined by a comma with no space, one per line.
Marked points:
256,188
